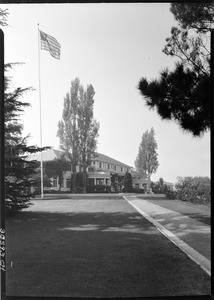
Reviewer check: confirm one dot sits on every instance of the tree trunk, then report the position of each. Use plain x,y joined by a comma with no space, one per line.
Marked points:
84,180
73,182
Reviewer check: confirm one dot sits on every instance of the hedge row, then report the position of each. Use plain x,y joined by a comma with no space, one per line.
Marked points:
192,189
98,189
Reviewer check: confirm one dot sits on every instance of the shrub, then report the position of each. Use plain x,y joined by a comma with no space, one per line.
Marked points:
79,190
194,189
98,189
159,188
124,190
128,182
138,191
170,194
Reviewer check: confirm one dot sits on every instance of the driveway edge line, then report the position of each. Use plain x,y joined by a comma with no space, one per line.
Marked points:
198,258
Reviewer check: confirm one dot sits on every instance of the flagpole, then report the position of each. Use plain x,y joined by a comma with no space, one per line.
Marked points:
40,107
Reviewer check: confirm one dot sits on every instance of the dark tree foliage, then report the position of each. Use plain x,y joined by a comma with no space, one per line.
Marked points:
3,17
184,94
79,182
160,187
198,16
114,182
46,182
19,172
56,168
128,182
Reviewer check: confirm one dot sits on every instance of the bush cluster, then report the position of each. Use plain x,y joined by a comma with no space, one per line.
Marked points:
170,194
194,189
138,191
98,189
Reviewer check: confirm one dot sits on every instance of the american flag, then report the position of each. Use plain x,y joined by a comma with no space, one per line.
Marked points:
50,44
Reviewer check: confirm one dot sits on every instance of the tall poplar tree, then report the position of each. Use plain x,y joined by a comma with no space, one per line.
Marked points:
68,128
78,131
146,162
88,130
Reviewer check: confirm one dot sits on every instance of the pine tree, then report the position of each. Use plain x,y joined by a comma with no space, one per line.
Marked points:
3,17
146,162
128,182
184,94
19,172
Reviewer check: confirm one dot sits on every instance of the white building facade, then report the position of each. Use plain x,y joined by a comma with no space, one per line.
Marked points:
99,173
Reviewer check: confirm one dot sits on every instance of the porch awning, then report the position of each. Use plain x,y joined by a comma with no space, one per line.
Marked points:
99,175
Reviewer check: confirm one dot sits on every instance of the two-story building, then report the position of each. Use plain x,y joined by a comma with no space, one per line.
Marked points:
140,181
100,172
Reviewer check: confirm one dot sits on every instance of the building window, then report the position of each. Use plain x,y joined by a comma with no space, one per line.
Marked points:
108,166
99,181
121,169
115,167
137,186
55,182
100,165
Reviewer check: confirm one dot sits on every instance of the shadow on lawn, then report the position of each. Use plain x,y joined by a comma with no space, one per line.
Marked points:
96,254
71,196
99,221
121,222
200,217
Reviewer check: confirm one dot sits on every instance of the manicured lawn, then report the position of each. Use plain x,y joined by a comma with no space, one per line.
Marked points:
94,248
201,213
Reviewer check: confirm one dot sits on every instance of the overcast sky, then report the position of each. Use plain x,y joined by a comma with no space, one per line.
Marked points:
110,46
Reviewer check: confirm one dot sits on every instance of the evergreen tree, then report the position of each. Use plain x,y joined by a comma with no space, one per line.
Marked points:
161,183
184,94
146,162
19,172
3,17
128,182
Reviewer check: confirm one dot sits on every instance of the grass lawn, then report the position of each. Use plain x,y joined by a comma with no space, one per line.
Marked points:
94,248
201,213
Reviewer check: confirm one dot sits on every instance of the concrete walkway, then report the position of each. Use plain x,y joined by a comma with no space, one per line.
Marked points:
190,235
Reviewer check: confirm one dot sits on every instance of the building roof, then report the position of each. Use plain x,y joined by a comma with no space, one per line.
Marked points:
137,174
104,158
47,155
165,182
52,154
